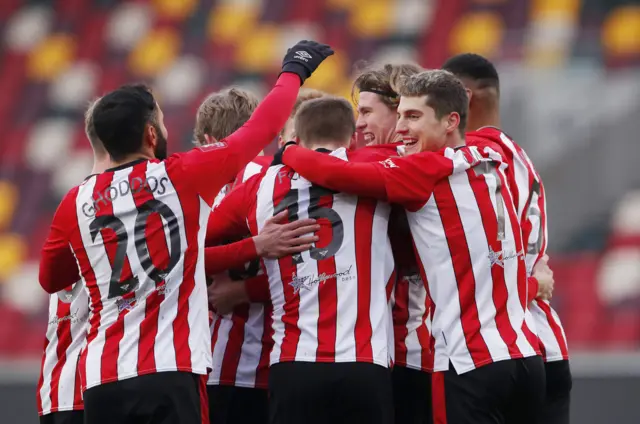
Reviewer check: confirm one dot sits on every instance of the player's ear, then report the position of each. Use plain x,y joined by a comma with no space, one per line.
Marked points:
151,137
469,94
453,121
210,139
281,141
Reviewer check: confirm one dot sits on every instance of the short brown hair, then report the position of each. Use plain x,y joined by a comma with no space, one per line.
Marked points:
90,129
445,93
378,80
304,95
222,113
328,118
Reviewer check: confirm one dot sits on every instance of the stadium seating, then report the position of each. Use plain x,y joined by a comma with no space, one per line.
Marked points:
55,56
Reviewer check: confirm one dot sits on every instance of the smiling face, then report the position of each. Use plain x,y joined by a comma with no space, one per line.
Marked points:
420,128
376,121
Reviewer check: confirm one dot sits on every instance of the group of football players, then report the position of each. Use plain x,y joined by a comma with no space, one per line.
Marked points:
379,268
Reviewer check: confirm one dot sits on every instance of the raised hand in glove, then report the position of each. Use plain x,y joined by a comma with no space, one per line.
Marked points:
304,58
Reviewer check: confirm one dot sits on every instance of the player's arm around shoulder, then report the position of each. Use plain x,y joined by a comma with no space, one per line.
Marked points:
58,267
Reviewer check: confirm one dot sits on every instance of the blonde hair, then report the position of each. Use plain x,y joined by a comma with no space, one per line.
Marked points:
222,113
380,80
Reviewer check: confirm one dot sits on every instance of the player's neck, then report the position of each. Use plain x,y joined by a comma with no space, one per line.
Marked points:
454,140
130,158
324,145
100,164
480,119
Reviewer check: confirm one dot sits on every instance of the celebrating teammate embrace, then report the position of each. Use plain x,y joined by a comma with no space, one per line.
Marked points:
134,235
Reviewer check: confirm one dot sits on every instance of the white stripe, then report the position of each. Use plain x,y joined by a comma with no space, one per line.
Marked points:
198,317
516,313
382,265
250,170
309,307
124,208
251,350
347,291
101,266
430,240
50,355
220,347
417,310
264,210
478,248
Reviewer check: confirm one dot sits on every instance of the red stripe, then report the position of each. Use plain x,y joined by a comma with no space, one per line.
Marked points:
95,304
115,332
400,319
424,338
438,399
428,349
557,331
465,279
500,292
190,210
523,286
262,372
204,398
63,333
41,378
231,357
287,270
159,253
363,229
327,292
77,390
216,331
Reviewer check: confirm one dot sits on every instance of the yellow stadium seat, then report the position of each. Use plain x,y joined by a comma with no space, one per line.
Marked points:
479,32
258,50
174,9
8,203
621,31
373,19
13,251
155,52
230,24
51,57
567,9
330,75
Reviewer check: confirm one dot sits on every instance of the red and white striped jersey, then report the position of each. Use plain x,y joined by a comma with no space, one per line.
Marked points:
331,303
139,243
137,233
59,387
411,305
467,235
529,197
241,341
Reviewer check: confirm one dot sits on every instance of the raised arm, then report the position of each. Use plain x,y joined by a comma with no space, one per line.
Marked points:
216,164
58,267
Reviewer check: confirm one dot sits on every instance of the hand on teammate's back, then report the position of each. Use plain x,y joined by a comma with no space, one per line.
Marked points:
224,294
544,275
277,240
304,58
